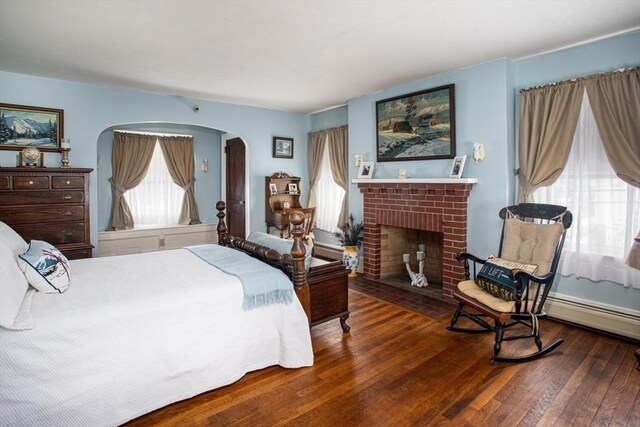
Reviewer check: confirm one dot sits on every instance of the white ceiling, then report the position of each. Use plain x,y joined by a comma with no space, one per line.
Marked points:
288,55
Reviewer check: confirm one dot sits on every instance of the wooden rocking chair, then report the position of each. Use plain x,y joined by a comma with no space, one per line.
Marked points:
528,257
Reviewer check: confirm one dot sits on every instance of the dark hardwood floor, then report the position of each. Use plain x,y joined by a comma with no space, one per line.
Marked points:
399,366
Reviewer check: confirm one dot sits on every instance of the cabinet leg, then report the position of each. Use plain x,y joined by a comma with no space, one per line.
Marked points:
343,323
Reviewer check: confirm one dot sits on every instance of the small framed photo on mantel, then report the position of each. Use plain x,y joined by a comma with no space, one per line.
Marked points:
366,170
457,167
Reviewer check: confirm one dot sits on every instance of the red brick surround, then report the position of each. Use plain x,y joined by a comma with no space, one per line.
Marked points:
440,208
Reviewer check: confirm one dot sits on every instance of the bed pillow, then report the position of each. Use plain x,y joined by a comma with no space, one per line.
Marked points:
13,287
281,245
45,267
494,277
12,239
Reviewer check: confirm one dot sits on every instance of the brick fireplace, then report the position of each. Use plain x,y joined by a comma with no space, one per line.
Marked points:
432,205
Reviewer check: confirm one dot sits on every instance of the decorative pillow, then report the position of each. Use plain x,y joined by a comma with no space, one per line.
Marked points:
45,267
12,239
494,277
281,245
13,287
531,243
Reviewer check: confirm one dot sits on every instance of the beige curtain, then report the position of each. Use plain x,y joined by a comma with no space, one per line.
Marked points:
178,153
548,118
315,150
130,158
615,101
338,152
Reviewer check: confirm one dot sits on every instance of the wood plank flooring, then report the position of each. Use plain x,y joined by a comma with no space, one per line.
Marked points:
400,367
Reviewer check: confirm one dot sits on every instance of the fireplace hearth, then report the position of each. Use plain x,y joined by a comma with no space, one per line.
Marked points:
433,207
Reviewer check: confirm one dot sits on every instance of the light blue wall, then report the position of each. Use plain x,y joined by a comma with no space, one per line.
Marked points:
605,55
483,112
206,145
328,119
90,109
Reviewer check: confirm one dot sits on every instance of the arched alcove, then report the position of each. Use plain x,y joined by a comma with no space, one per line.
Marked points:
207,145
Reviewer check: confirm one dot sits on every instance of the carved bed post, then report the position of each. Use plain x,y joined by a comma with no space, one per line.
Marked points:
222,228
296,218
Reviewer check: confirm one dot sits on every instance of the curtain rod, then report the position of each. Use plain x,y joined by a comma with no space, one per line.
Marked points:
592,76
150,133
328,129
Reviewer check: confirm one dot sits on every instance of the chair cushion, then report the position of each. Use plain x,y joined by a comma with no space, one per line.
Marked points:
470,289
530,243
495,277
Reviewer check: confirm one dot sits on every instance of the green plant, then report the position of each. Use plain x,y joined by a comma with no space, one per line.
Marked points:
351,233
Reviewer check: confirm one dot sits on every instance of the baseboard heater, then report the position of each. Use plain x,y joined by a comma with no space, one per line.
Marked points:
604,317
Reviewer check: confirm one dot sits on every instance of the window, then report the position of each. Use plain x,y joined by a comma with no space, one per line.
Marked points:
605,209
329,195
157,201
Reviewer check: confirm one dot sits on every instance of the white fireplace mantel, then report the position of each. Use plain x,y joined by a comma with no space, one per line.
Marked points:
415,181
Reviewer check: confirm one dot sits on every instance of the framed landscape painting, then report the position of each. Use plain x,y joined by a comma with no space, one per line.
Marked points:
282,147
417,126
23,126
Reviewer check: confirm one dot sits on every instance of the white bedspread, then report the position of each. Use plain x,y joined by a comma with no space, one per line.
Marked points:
134,333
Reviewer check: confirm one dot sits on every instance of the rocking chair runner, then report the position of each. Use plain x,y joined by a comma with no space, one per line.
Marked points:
532,234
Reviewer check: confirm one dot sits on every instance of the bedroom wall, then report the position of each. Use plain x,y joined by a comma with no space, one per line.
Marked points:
90,109
206,145
601,56
483,112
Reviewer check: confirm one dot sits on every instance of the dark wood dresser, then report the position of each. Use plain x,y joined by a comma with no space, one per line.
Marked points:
328,292
50,204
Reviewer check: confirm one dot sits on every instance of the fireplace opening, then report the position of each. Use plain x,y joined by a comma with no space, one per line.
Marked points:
396,242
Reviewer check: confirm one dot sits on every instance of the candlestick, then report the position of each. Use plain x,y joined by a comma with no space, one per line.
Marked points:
65,143
65,157
421,247
417,279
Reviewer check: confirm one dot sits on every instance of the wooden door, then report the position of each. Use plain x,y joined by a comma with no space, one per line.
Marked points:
235,165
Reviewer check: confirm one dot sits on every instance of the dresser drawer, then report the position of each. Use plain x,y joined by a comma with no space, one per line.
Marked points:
30,182
40,197
5,180
55,234
63,182
44,213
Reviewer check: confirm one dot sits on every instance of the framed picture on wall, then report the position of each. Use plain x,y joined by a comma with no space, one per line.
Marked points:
417,126
282,147
22,126
457,166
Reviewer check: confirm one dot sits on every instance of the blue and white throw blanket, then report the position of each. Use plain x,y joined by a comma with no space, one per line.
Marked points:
262,284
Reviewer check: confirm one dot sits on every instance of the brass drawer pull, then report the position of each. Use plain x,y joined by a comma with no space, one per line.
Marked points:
67,197
68,182
69,233
66,213
30,182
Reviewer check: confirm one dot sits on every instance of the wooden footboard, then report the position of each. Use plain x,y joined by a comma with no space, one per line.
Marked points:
292,264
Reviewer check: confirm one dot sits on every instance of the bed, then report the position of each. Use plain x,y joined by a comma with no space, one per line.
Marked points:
137,332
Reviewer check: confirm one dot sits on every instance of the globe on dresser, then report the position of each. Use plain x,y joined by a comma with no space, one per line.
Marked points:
31,155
